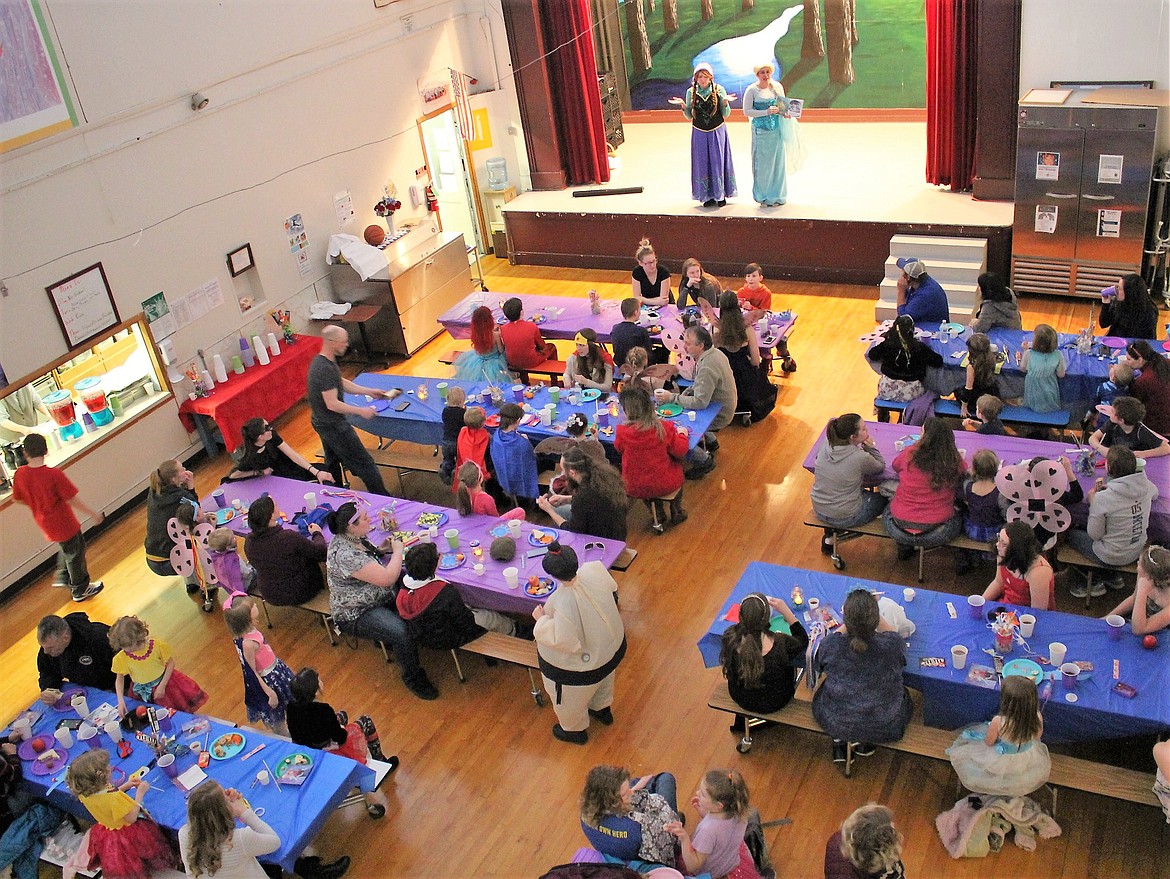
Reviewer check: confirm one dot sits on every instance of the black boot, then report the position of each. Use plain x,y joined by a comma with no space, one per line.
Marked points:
314,868
677,514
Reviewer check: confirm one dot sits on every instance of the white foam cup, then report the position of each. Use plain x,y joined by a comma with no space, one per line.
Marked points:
959,656
1056,653
512,577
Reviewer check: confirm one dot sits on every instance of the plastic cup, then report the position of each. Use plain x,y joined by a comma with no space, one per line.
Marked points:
1116,624
310,500
963,454
975,605
1056,653
514,528
899,445
1004,642
1027,625
603,418
263,777
441,387
554,394
89,735
433,531
163,715
518,393
424,536
64,737
23,728
691,415
959,656
80,705
512,577
452,535
908,594
814,603
546,415
237,505
218,497
479,569
1069,672
114,730
167,764
485,396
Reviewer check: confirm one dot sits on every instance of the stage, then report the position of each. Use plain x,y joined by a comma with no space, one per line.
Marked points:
861,183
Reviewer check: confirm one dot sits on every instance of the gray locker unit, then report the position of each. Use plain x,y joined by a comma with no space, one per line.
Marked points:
1083,176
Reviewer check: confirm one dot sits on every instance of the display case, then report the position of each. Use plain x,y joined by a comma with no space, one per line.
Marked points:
82,399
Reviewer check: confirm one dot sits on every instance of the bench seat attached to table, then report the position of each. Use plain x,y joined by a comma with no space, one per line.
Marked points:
1010,415
506,648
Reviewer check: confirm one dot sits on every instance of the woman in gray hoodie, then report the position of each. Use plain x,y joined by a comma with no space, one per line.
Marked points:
845,460
997,306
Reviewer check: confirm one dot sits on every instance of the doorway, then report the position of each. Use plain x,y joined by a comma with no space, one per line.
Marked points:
452,183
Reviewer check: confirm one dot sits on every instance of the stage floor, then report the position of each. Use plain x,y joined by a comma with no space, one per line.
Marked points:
860,172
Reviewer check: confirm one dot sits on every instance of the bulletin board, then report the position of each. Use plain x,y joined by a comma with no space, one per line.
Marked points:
84,305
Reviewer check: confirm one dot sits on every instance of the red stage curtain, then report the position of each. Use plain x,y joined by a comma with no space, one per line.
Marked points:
951,79
568,31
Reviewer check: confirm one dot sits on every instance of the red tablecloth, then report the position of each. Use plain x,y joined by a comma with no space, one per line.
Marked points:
261,392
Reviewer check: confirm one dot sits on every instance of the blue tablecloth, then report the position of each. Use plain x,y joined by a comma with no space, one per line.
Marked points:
422,421
297,814
948,700
1077,388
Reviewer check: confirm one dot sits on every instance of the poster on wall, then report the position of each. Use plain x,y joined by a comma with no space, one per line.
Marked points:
434,89
298,243
34,101
1108,224
158,315
481,131
1046,215
1047,165
343,205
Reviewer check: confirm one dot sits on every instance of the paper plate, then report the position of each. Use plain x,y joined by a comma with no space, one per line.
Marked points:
294,761
543,586
227,746
670,410
649,313
222,517
432,517
492,420
1024,668
500,530
39,767
588,395
1114,342
63,704
449,560
654,329
26,752
958,328
543,536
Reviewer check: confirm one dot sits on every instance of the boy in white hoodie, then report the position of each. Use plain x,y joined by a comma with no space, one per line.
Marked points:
1119,516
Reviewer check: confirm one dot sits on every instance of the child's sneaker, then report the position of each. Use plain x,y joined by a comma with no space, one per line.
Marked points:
84,593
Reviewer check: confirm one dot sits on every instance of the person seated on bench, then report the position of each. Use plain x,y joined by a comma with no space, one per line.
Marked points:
714,383
846,458
1023,576
757,662
454,410
471,498
697,285
1117,385
1044,365
1119,517
741,343
637,369
862,700
980,374
624,818
904,361
868,846
435,614
589,366
930,475
986,420
287,564
652,450
1148,608
646,289
626,333
485,361
513,456
997,306
1130,312
983,518
598,504
1152,386
1126,428
266,454
524,347
361,593
919,295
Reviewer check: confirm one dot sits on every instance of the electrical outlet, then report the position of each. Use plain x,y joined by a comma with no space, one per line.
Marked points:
408,24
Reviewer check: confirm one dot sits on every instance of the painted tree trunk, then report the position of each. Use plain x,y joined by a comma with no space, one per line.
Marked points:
839,30
813,45
639,43
708,7
670,16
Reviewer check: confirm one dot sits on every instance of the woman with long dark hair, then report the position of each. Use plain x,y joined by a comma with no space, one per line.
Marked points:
588,366
598,504
930,475
862,700
266,454
1152,386
904,361
1023,576
997,306
485,361
738,339
757,662
1130,312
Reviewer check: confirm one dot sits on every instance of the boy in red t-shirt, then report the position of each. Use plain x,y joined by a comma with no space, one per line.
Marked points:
754,294
524,347
51,496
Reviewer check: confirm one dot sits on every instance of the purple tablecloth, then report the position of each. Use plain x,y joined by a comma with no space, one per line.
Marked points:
1012,450
562,317
949,700
297,814
422,422
489,591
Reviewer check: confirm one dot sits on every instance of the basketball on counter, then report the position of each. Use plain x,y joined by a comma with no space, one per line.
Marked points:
374,235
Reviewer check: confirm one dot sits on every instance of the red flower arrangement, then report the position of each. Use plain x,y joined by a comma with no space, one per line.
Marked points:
386,206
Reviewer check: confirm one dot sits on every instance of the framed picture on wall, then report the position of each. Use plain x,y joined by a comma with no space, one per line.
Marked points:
84,305
240,260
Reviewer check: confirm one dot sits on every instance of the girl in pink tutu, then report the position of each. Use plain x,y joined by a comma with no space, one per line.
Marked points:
151,668
126,843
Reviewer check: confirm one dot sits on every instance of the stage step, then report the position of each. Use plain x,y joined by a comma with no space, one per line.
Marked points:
955,263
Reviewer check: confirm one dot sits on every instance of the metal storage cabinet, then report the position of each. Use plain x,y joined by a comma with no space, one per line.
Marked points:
416,287
1088,249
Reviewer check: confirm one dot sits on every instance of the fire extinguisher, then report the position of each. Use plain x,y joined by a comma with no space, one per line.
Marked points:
432,202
